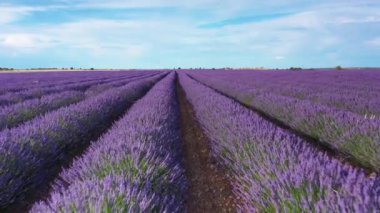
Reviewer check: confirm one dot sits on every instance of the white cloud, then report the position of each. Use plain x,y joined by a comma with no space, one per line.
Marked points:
23,43
375,42
11,13
279,57
158,3
311,30
350,20
137,38
19,41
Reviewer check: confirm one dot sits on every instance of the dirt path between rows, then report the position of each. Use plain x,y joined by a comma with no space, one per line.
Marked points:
209,188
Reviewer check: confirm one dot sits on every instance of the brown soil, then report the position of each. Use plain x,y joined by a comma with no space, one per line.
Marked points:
209,189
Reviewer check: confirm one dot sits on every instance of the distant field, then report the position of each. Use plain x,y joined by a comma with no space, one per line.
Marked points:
54,70
190,140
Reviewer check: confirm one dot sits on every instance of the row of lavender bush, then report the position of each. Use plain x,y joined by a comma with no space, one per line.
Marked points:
106,81
273,170
13,82
134,167
15,97
96,89
31,152
347,132
13,115
16,82
356,91
37,91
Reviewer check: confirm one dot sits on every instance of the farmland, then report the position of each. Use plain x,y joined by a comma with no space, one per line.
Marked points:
190,141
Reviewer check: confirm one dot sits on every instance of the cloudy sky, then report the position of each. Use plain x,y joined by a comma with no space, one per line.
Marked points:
189,33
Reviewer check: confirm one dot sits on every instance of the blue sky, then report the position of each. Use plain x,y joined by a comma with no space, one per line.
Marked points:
189,33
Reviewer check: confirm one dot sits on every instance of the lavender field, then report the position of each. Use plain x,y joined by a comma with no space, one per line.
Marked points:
190,141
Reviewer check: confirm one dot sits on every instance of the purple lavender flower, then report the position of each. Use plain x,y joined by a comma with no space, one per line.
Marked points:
328,119
134,167
29,152
273,170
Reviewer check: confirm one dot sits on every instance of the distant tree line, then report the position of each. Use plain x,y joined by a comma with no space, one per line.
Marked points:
47,68
300,68
44,68
73,68
5,68
63,68
295,68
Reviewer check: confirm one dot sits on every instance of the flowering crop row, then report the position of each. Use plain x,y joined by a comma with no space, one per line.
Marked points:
134,167
13,115
96,89
272,169
355,91
14,82
16,97
31,152
342,130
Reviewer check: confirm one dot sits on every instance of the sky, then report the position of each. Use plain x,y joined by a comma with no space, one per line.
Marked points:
189,33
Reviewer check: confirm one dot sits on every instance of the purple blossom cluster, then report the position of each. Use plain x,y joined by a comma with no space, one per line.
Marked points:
273,170
134,167
17,82
13,115
13,82
15,97
111,194
355,90
353,134
98,88
30,153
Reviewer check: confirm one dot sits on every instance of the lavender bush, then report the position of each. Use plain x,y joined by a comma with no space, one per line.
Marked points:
15,97
14,82
111,194
342,130
13,115
273,170
134,167
96,89
357,91
29,153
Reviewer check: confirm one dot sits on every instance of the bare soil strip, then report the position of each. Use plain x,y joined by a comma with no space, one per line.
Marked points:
209,188
321,145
